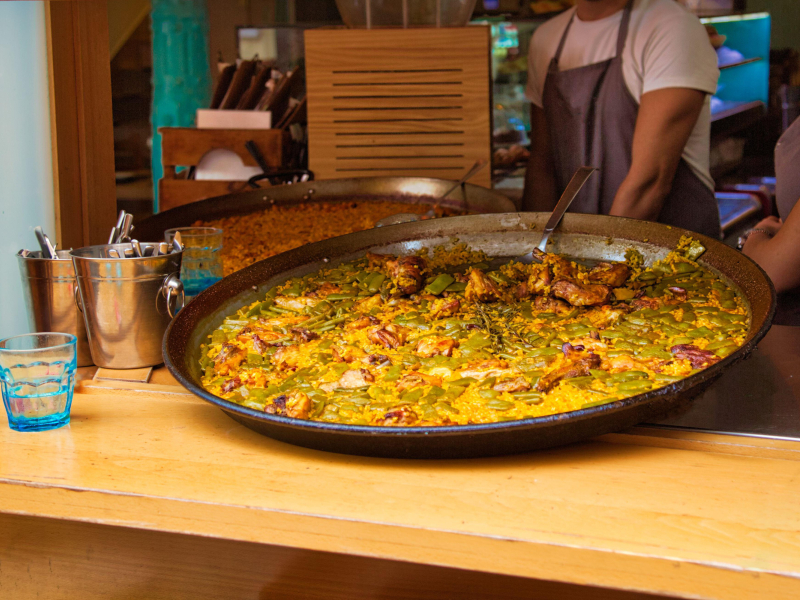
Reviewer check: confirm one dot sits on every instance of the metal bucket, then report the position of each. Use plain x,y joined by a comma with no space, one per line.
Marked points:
49,289
127,304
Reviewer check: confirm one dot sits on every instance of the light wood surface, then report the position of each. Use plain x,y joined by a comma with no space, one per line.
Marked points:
378,106
646,511
82,127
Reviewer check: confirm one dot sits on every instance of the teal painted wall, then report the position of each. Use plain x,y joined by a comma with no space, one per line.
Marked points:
26,176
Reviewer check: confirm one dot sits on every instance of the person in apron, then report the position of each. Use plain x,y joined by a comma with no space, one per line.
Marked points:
591,118
775,243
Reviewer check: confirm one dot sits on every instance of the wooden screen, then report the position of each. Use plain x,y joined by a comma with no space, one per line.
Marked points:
387,102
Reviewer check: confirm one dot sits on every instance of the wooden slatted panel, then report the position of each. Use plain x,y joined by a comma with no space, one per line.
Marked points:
412,102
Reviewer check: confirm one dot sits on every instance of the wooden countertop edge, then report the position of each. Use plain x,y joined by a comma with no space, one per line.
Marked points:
583,565
667,437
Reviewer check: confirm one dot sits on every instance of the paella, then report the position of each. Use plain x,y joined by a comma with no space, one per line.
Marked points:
450,338
255,236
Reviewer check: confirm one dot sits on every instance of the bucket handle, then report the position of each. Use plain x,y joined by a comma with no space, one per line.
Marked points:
173,287
76,295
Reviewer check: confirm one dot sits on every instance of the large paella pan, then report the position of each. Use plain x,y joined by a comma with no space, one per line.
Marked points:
586,237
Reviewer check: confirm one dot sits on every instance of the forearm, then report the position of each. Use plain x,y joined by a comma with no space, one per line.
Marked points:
778,256
642,196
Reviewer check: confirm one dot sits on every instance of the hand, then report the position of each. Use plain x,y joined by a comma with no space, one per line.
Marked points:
770,224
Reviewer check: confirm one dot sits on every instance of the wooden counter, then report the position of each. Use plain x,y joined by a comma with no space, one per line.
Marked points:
151,493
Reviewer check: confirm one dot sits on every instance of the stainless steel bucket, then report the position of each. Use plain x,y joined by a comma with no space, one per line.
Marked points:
127,304
49,288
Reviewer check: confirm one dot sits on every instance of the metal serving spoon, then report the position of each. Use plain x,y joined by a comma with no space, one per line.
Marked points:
573,187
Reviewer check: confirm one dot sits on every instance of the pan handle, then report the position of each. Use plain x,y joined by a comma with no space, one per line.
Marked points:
173,287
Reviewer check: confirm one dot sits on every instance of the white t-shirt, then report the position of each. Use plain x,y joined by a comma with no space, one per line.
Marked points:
666,47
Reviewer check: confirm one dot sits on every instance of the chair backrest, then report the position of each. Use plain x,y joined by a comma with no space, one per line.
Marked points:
186,146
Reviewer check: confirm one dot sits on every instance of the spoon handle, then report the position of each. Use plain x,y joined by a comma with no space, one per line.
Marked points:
573,187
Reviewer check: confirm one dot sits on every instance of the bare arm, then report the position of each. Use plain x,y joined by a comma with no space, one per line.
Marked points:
778,256
665,121
540,186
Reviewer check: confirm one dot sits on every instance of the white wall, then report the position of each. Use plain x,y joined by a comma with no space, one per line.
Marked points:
26,177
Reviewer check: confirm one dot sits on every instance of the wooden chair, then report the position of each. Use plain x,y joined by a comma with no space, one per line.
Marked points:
186,146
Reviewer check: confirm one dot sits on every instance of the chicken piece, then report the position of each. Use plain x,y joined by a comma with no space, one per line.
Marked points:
326,289
367,304
539,279
347,354
355,378
362,322
545,304
489,368
297,304
259,345
676,295
699,358
286,357
231,385
406,273
435,346
399,416
518,384
575,363
645,302
284,321
582,294
301,334
229,359
605,316
560,267
378,359
293,404
610,274
481,288
416,379
444,307
392,336
623,362
521,291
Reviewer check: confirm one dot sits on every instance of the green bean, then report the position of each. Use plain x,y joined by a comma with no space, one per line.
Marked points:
725,350
684,267
599,402
615,353
478,340
218,337
728,304
638,321
500,404
446,407
699,332
465,381
598,373
413,395
488,382
340,296
627,376
488,394
635,386
550,351
682,340
611,334
454,391
670,331
580,381
654,353
440,284
622,344
528,397
667,378
254,360
458,286
374,283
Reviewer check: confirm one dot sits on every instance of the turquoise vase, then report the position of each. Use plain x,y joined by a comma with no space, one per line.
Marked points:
181,70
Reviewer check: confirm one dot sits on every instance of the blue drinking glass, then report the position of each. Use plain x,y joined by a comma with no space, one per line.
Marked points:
201,265
37,374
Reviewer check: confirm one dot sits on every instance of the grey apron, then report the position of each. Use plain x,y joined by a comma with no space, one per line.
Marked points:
787,169
591,116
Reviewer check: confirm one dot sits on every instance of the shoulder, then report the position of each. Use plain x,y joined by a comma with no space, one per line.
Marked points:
665,17
549,33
